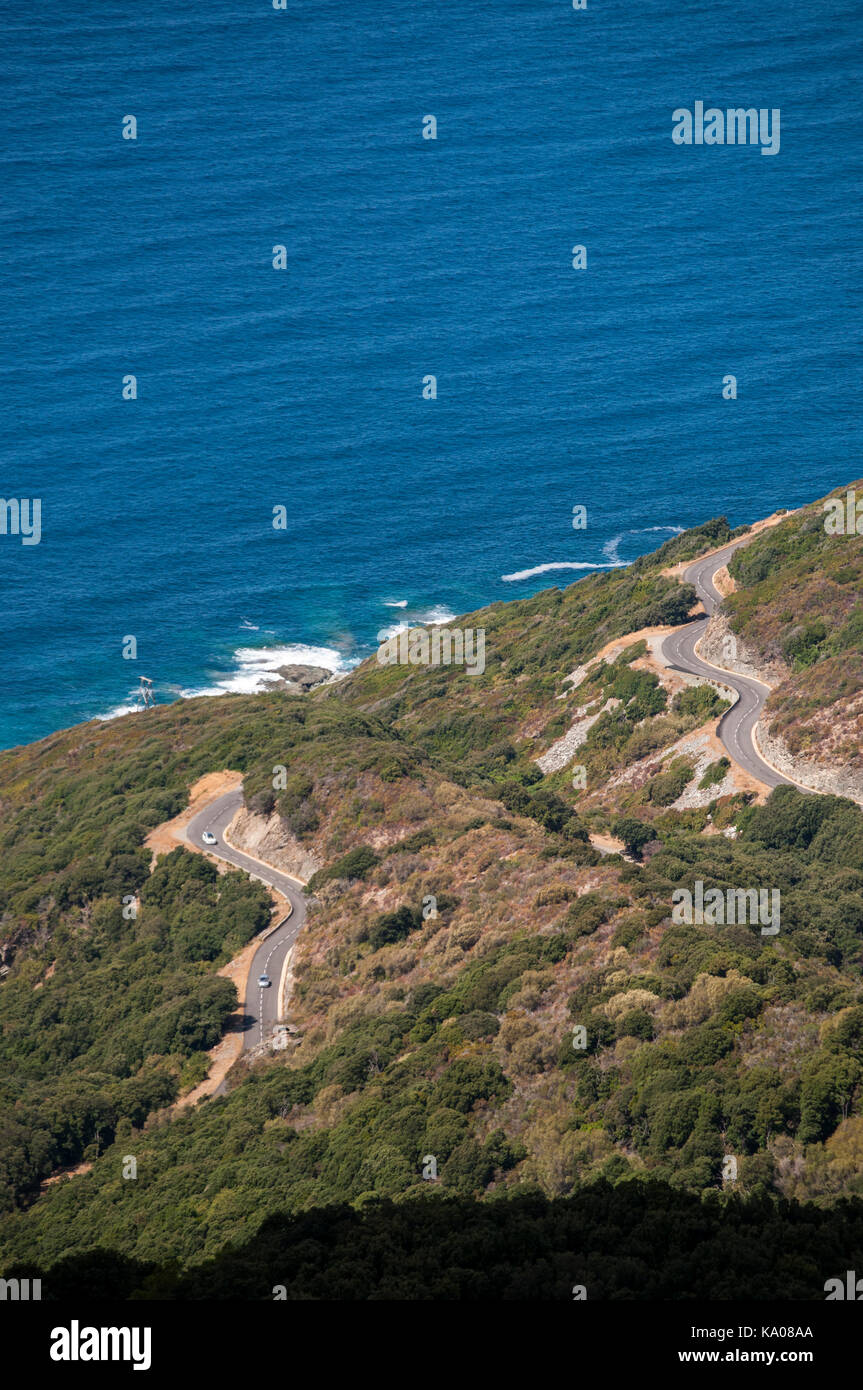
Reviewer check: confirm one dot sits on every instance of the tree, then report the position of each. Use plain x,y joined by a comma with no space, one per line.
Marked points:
634,834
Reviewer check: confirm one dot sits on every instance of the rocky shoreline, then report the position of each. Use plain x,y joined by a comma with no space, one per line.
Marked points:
300,679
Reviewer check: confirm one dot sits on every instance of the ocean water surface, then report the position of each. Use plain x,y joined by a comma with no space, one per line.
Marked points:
406,258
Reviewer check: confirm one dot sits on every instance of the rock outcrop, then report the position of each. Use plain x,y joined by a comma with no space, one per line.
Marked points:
840,781
565,749
270,839
722,647
303,678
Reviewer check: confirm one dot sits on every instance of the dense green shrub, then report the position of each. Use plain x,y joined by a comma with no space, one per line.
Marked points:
714,773
391,927
667,786
634,834
700,702
357,863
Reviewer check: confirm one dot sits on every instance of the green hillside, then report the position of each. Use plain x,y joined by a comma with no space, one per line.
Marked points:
799,604
450,1035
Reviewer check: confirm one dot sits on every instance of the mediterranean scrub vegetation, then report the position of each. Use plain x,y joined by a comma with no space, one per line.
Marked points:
463,935
798,606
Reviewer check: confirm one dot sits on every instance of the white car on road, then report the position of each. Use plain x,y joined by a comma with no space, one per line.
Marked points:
264,981
209,838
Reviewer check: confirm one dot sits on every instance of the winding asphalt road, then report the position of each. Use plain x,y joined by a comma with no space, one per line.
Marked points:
737,725
735,731
261,1003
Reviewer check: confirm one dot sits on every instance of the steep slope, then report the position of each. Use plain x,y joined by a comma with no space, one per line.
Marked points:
483,1002
795,618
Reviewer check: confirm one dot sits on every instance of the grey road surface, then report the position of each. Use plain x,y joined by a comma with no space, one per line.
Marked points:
737,724
735,730
261,1003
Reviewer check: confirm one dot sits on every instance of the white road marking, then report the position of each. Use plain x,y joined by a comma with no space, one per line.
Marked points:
748,705
226,852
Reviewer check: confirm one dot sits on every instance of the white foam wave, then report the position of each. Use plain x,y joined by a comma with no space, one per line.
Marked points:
395,603
117,712
612,547
562,565
431,617
392,631
270,658
436,616
258,668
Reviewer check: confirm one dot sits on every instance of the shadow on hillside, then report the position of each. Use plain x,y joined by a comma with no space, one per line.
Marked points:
240,1023
634,1241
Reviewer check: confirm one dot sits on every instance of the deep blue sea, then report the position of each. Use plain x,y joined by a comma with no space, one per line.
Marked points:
406,258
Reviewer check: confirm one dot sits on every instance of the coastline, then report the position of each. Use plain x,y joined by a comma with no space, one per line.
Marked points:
254,670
